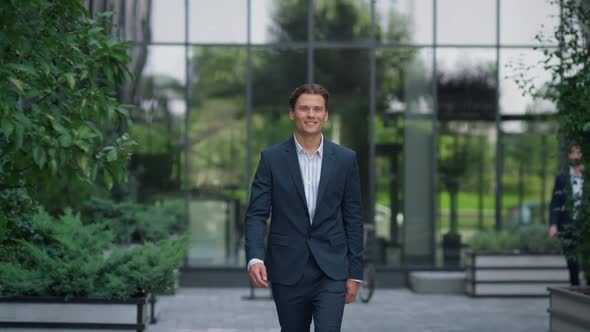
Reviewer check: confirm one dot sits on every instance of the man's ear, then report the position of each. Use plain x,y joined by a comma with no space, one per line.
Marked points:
291,115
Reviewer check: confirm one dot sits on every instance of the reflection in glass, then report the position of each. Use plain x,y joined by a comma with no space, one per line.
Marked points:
466,178
167,21
275,74
403,86
149,20
158,121
217,145
530,162
466,22
405,21
522,20
219,21
466,84
349,102
525,66
278,20
345,20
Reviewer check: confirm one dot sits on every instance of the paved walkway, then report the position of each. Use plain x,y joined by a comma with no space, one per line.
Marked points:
390,310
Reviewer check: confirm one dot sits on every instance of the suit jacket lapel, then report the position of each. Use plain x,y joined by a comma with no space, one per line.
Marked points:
294,169
327,166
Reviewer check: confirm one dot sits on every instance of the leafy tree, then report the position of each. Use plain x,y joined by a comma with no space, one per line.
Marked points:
569,65
58,116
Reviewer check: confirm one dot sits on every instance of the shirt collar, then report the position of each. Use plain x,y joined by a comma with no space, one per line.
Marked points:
300,149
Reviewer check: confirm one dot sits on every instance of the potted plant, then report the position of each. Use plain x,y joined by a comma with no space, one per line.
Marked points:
515,262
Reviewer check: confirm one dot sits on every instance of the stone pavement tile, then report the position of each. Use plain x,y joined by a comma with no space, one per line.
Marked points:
390,310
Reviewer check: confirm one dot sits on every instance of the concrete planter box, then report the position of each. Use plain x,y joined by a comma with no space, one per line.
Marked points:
437,282
568,310
36,314
513,274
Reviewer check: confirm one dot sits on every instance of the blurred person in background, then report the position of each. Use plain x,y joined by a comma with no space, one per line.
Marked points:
560,220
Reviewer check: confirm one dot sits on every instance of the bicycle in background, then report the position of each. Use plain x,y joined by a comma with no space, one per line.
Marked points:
368,286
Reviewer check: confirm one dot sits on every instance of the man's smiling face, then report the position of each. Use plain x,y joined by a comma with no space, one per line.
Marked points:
309,114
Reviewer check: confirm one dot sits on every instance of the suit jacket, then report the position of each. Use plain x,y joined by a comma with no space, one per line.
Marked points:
558,212
335,238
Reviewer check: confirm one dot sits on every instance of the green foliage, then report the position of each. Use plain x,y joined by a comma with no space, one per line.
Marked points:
569,88
67,259
58,73
529,239
137,223
16,207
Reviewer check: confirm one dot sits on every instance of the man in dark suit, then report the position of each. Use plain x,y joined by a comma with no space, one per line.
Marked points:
314,254
567,185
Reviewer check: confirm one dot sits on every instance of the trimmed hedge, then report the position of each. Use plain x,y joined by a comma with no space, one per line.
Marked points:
529,238
66,258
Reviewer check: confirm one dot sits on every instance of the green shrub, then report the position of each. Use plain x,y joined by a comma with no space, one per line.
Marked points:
529,238
137,223
67,259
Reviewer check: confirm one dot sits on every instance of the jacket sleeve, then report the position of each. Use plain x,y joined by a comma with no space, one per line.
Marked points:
258,210
557,202
352,215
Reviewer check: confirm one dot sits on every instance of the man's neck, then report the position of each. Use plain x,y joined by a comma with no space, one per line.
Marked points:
309,143
577,170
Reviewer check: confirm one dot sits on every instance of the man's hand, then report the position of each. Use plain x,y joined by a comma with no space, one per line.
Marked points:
257,275
552,231
352,288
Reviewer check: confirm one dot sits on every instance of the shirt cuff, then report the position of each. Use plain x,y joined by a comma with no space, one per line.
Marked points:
356,280
254,261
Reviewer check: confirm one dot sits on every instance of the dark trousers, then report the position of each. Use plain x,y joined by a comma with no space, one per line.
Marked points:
315,295
574,270
573,263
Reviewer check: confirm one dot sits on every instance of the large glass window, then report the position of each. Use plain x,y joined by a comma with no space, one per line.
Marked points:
278,21
158,121
521,21
404,81
219,21
150,20
530,163
342,21
217,154
466,22
409,182
466,90
405,22
522,70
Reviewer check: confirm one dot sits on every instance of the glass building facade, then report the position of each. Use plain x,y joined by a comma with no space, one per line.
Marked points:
425,91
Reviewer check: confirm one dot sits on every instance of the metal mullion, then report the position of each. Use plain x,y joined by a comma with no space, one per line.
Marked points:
372,111
434,140
336,44
187,194
310,42
248,101
498,219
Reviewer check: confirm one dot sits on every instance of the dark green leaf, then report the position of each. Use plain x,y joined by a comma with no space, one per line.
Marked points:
112,155
17,83
7,127
65,140
39,155
85,133
108,180
71,80
20,132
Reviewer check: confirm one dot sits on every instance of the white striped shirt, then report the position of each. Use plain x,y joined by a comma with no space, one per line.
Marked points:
311,169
